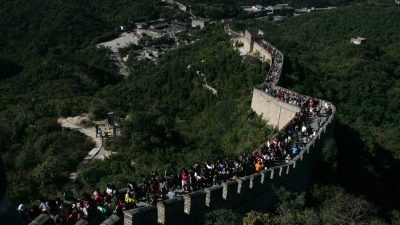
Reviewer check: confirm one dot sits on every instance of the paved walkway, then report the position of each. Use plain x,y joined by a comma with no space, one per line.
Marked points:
321,118
98,152
86,131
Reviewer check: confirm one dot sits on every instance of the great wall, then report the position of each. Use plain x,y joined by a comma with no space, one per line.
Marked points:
249,192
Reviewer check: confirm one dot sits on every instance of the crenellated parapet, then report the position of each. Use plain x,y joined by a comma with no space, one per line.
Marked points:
279,107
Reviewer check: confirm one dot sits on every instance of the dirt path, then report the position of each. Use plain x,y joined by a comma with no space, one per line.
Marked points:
124,40
98,152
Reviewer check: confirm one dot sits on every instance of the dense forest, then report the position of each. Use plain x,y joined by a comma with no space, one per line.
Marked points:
321,205
50,67
58,71
224,9
173,121
363,83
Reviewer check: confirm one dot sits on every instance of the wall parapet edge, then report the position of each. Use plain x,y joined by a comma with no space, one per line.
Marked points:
233,193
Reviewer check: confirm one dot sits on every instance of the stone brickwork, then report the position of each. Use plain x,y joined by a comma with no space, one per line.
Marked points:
112,220
275,112
230,192
170,211
261,52
249,192
195,202
255,183
82,222
214,198
140,216
42,219
254,191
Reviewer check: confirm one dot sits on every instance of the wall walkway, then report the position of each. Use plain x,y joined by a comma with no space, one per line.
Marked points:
249,192
254,191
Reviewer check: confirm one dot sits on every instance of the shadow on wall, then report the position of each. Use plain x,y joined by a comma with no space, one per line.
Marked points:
349,162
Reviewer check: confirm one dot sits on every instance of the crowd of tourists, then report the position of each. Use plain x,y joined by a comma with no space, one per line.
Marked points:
157,186
287,96
94,209
281,148
275,70
169,184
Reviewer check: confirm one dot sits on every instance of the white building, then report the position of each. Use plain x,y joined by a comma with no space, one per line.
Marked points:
358,40
253,9
200,22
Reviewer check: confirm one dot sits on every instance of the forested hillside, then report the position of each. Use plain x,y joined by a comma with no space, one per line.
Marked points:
356,180
223,9
49,67
362,81
52,68
173,121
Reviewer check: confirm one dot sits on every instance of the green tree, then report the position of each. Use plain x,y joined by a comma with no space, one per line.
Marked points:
222,217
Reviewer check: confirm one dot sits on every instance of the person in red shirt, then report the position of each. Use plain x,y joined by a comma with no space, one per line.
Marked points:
154,192
184,179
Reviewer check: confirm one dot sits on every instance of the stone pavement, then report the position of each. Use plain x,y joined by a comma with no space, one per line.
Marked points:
86,131
98,152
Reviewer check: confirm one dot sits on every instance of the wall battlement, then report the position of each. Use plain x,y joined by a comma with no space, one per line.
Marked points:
276,112
255,191
249,192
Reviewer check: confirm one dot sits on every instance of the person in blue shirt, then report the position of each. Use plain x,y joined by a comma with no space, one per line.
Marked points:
295,150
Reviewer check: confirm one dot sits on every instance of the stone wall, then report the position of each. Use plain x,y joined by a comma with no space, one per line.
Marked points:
254,192
248,42
253,48
261,52
272,110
